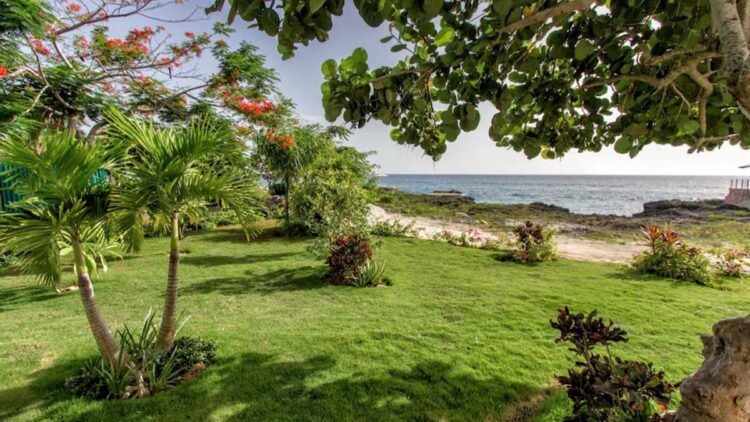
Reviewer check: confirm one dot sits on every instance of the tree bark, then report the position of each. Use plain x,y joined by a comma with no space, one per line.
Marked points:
105,341
287,191
720,389
734,49
165,339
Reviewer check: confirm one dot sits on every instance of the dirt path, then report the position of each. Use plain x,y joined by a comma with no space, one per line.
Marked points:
568,246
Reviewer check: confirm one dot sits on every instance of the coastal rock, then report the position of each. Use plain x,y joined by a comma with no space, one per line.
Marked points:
541,206
692,210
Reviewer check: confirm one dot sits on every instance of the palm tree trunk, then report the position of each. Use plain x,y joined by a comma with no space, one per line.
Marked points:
287,189
108,347
165,340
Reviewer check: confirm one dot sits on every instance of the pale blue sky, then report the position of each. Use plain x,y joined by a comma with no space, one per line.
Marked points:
472,153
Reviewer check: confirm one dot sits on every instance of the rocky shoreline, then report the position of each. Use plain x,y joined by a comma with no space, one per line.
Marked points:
673,209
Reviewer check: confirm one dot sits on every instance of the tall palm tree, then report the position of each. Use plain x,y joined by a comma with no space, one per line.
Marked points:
170,174
60,206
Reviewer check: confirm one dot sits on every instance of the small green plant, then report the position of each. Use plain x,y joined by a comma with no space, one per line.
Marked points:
145,371
730,263
603,387
346,256
473,238
370,275
88,383
535,242
668,256
394,228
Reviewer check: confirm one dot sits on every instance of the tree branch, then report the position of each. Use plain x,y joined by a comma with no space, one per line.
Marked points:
543,15
706,92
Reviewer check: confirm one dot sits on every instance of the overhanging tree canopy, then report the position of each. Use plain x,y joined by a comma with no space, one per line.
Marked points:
562,75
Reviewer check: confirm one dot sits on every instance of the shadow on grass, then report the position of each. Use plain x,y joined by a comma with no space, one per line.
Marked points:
236,235
259,387
27,294
46,386
215,260
284,279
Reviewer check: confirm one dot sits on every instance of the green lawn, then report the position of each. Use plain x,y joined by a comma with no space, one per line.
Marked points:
460,336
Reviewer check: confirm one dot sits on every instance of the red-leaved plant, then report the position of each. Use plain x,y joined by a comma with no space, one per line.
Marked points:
603,387
346,256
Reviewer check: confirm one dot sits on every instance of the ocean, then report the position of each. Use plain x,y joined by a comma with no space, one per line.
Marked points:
618,195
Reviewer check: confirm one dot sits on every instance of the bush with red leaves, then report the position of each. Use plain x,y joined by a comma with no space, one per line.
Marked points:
346,256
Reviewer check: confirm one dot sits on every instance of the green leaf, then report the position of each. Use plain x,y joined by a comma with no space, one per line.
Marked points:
398,47
623,145
470,119
315,5
517,77
690,127
359,55
269,22
432,7
502,7
445,36
329,69
584,48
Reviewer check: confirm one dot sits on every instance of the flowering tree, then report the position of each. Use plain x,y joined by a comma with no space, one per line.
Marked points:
284,151
67,68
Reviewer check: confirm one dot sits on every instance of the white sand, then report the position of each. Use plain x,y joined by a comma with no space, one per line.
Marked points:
568,246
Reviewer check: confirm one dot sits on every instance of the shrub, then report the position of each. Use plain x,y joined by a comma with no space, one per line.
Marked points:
603,388
370,275
447,236
346,256
88,383
535,242
473,238
191,351
668,256
147,371
394,228
729,263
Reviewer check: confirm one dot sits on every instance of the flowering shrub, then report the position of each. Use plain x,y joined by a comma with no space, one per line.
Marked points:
473,238
394,228
603,388
534,243
729,263
346,257
668,256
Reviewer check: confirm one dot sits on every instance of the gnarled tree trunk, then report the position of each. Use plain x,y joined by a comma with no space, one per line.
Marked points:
720,390
108,347
165,340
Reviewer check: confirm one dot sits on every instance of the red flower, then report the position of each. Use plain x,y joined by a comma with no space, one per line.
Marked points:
40,48
3,71
74,7
190,35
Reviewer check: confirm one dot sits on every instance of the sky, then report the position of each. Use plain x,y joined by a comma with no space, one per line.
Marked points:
473,153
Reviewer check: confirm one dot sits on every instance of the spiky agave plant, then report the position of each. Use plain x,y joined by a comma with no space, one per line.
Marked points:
60,206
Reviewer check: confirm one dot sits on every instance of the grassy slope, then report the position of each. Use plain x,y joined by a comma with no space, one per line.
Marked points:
460,336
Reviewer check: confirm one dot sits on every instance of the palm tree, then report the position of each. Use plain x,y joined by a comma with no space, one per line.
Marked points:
170,175
60,206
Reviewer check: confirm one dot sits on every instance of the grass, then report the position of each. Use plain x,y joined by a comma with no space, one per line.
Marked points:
460,336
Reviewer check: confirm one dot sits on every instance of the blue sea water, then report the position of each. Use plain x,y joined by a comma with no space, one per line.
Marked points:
619,195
